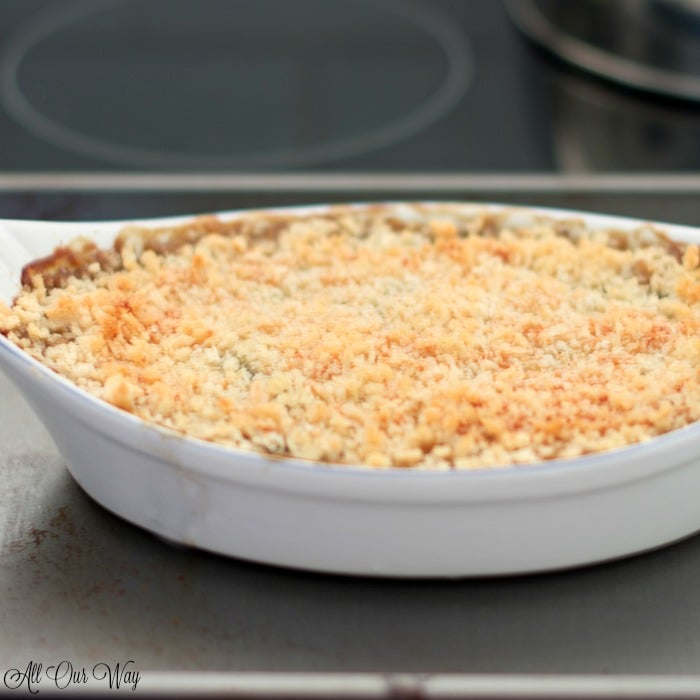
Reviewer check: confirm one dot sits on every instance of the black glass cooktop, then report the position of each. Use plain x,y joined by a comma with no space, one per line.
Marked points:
311,85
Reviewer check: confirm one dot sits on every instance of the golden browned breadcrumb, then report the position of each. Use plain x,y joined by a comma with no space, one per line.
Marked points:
436,337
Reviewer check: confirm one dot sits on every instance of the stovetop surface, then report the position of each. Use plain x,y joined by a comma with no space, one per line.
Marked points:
313,86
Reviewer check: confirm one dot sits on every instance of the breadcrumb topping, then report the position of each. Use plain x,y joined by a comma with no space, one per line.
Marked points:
432,337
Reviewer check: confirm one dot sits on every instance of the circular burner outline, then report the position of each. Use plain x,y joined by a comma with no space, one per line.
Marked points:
454,44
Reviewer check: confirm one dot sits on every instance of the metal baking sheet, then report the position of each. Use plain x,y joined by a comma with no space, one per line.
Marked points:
79,584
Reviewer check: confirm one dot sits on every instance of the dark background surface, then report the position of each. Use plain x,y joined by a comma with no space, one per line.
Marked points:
273,85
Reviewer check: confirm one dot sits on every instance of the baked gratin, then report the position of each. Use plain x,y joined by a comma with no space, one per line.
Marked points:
414,336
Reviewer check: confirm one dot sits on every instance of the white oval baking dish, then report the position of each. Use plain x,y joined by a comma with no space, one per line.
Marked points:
355,520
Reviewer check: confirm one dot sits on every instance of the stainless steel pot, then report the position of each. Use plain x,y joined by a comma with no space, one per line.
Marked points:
652,45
